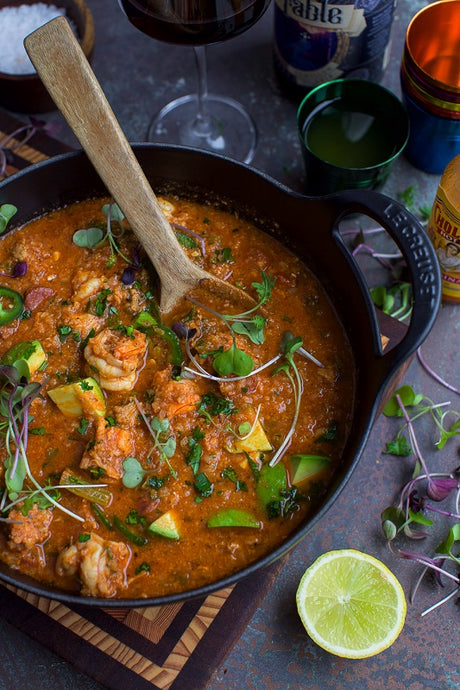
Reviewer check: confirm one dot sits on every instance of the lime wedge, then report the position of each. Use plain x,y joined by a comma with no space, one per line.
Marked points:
350,604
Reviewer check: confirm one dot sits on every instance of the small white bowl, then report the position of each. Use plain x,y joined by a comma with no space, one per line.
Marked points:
25,93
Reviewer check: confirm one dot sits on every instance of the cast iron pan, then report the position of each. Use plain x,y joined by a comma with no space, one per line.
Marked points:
309,227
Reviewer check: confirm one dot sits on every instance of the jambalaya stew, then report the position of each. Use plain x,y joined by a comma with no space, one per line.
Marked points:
145,454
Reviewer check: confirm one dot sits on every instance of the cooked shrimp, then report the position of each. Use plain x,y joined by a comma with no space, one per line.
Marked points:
116,358
111,446
167,207
101,565
68,561
86,285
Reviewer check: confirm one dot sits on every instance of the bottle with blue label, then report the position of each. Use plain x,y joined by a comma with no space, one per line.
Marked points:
320,40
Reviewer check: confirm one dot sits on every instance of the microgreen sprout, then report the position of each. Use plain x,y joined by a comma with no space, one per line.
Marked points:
7,211
246,428
94,236
407,197
133,472
248,323
396,301
201,371
289,345
164,442
409,517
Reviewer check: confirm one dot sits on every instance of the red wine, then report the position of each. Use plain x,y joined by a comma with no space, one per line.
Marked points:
193,22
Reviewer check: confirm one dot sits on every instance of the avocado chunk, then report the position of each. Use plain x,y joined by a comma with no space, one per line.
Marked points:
29,351
166,526
305,466
271,481
233,517
79,398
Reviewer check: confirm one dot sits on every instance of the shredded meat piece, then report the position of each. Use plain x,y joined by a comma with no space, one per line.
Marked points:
112,445
100,564
127,416
31,529
83,323
173,397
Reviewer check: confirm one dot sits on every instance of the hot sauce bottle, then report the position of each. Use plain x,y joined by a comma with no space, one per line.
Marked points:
444,230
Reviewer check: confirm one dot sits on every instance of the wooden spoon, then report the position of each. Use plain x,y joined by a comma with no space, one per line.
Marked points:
66,74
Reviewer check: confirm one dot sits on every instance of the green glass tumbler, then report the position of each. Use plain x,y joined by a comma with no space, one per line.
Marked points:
351,131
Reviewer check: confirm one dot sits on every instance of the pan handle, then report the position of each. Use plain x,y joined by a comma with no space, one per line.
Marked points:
419,255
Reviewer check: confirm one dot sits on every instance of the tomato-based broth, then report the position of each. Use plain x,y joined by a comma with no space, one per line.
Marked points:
145,454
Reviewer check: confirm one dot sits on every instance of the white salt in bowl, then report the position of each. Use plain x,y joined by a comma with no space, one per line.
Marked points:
25,93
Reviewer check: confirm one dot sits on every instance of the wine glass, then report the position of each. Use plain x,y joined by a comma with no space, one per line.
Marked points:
212,122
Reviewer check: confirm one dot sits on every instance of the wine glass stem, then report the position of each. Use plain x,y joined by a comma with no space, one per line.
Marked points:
202,125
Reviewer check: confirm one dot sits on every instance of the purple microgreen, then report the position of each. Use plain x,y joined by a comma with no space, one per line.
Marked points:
432,563
12,142
19,270
384,259
129,275
182,331
191,244
434,375
16,396
412,436
439,488
447,513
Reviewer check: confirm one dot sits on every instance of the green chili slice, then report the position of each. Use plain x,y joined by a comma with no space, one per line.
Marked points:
146,323
11,305
101,516
132,536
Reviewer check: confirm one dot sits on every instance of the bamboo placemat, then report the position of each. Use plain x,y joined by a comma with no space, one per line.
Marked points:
175,647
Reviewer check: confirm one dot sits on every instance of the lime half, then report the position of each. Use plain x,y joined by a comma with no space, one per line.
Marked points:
350,604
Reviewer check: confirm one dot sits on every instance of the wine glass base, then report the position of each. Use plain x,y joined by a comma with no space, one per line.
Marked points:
230,131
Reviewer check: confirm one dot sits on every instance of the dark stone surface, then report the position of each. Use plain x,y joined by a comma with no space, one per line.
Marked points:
139,75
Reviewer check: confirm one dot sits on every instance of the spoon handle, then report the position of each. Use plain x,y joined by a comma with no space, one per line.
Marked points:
68,77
